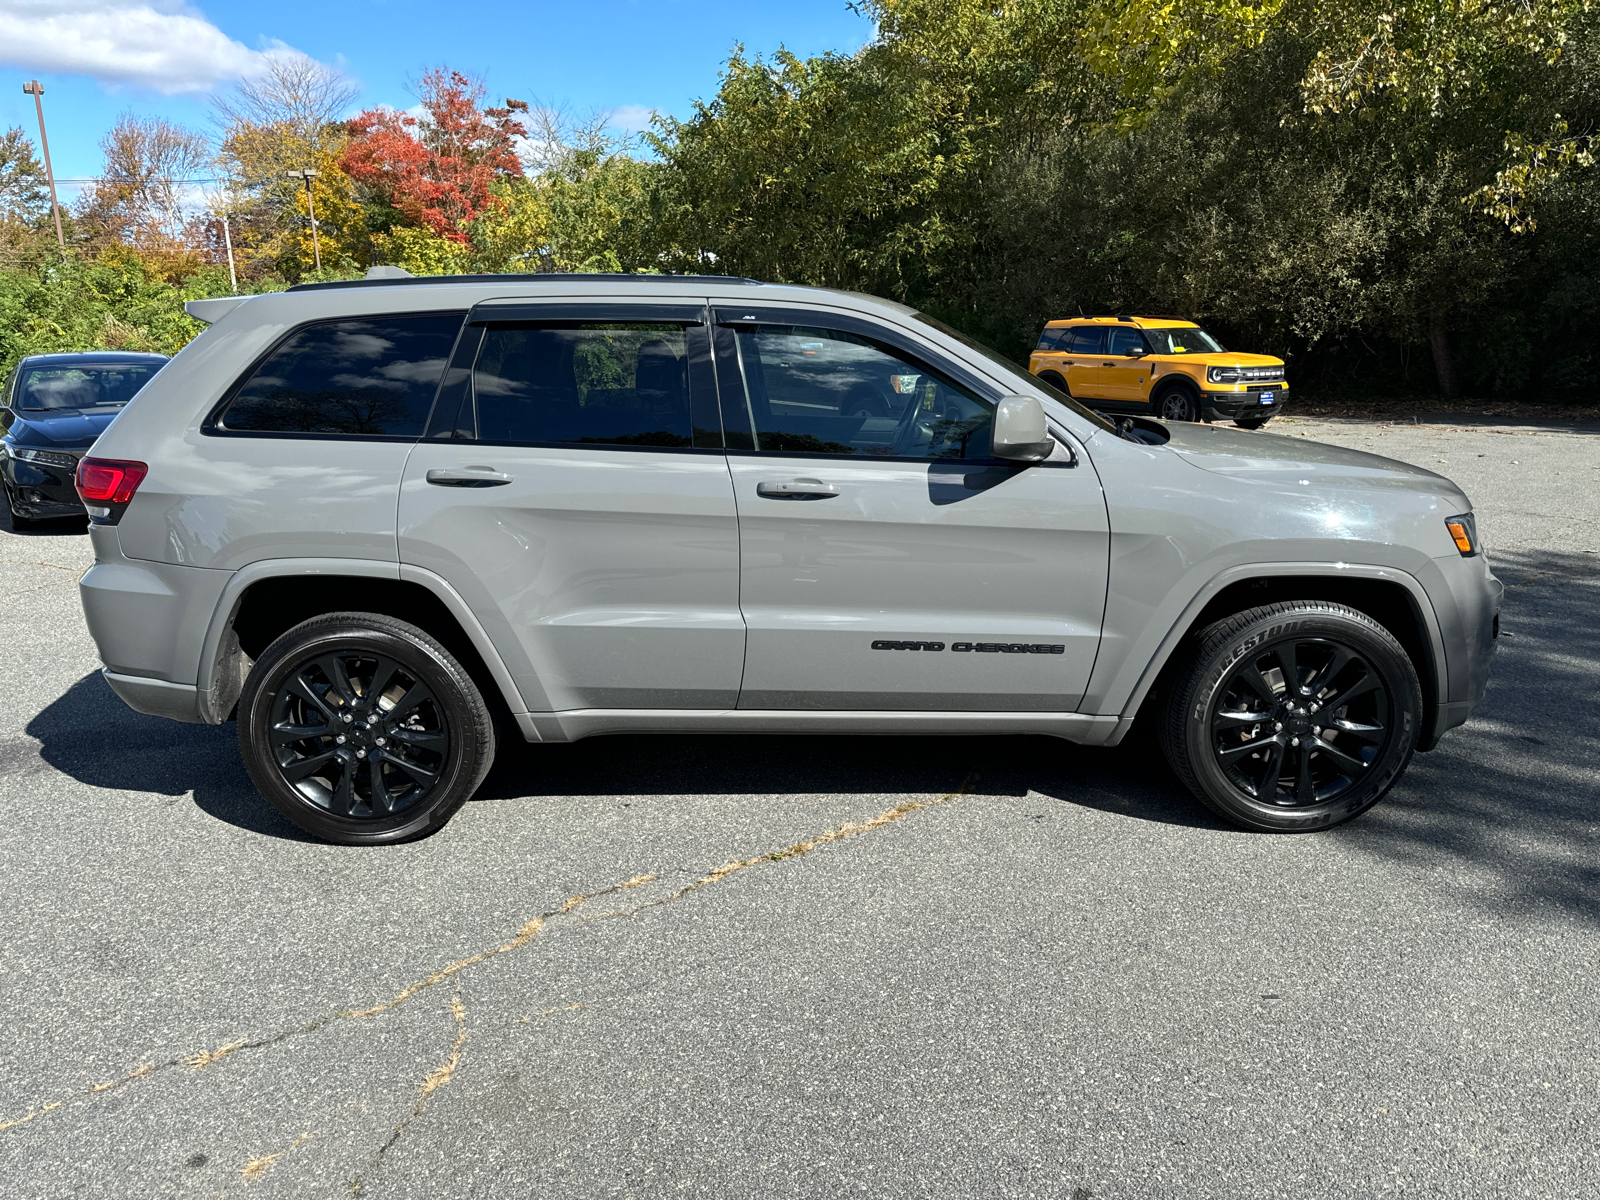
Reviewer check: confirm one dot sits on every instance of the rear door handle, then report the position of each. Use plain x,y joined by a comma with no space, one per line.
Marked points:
780,488
468,477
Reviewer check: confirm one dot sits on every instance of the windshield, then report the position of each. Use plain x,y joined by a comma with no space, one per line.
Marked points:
1021,375
1182,341
93,386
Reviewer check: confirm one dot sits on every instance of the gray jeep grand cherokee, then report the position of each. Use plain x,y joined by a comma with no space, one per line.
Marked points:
384,522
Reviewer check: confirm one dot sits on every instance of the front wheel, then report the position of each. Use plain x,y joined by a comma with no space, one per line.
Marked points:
363,730
1293,717
1178,404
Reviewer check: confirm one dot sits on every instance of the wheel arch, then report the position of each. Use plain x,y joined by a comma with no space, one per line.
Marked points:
265,599
1393,598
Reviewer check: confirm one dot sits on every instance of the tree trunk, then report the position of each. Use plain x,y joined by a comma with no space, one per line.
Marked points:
1439,338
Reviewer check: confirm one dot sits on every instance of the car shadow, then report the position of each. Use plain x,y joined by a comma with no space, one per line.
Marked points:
54,527
92,736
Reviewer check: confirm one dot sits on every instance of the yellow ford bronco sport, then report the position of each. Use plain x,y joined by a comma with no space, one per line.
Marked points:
1162,366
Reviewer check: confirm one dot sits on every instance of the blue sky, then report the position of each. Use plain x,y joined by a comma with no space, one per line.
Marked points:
97,58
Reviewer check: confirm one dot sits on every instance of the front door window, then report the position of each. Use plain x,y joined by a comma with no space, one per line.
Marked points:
825,391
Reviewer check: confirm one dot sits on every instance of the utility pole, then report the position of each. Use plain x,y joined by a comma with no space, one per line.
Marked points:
36,89
227,240
311,206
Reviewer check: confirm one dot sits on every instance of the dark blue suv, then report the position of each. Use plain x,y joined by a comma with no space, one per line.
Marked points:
55,407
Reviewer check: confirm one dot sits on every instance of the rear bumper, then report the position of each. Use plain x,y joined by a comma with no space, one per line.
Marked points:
156,697
148,621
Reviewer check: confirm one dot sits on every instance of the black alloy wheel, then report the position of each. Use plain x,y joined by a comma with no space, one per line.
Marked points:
363,729
1178,404
1296,716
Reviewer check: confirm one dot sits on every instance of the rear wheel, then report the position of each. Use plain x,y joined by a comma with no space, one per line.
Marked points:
1178,404
1293,717
362,729
1055,380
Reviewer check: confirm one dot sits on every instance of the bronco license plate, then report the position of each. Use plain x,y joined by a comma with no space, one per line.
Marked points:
1267,397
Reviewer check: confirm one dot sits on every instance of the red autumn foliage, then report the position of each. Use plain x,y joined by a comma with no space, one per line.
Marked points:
436,171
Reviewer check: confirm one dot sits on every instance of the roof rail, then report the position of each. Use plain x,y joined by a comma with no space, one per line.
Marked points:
539,277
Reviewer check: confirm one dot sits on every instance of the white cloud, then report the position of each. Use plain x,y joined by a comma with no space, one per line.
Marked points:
630,118
161,44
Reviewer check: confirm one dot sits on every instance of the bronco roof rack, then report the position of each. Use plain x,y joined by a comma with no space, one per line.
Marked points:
539,277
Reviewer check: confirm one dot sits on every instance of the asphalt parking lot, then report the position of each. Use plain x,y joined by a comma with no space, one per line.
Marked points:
877,967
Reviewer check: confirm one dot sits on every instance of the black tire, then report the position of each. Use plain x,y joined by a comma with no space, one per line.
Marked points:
1178,404
1274,678
395,735
19,523
1256,424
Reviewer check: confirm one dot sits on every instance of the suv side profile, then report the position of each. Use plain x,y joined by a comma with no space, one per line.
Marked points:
384,524
1164,366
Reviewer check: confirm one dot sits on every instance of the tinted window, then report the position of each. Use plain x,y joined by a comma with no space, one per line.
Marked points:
82,387
1085,339
823,391
1125,341
582,383
374,376
1049,339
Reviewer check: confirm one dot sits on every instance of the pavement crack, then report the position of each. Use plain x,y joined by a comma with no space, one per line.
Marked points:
435,1079
525,934
258,1166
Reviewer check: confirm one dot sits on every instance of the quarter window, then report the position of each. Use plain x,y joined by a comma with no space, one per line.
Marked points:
824,391
372,377
586,384
1050,339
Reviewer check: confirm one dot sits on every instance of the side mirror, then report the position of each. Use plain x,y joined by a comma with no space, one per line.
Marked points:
1138,352
1019,432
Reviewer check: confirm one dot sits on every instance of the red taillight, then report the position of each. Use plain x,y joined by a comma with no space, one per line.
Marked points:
109,480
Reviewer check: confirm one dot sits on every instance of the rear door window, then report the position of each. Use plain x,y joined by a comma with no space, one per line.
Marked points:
1084,339
591,384
366,377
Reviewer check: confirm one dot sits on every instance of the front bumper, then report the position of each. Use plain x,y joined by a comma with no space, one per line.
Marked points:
1244,405
43,489
1469,611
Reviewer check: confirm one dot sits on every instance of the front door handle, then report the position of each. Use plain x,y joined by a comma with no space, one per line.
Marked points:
780,489
477,477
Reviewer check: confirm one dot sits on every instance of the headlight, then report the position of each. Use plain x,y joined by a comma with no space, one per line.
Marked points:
1244,374
46,458
1464,532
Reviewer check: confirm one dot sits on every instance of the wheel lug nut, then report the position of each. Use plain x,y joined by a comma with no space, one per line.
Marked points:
361,753
1315,732
380,741
346,718
339,740
1277,727
1292,742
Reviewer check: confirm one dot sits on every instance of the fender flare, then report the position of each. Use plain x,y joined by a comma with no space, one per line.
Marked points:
222,618
1421,602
